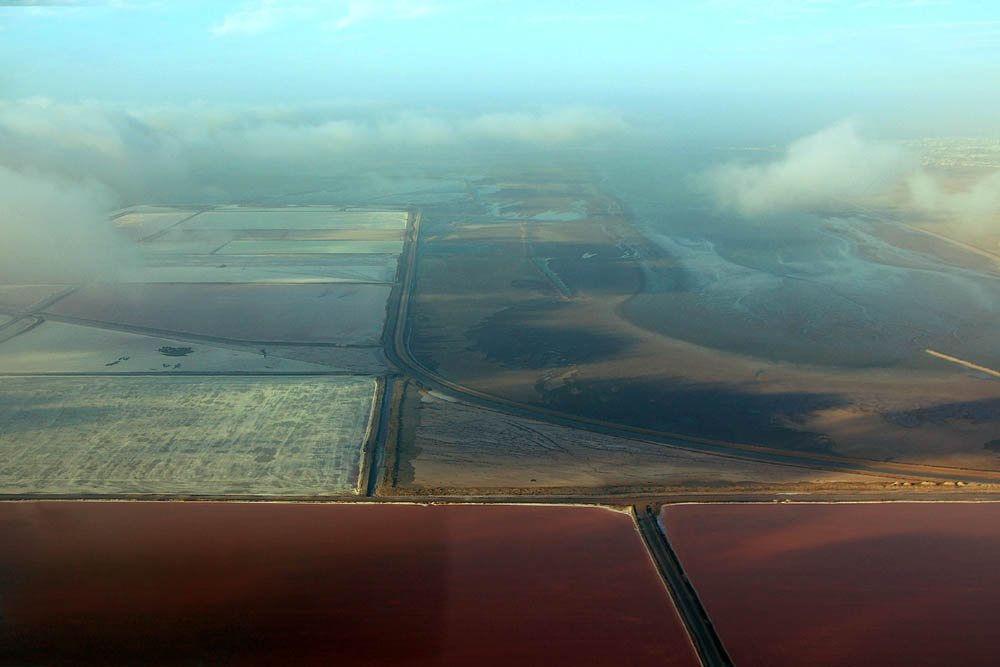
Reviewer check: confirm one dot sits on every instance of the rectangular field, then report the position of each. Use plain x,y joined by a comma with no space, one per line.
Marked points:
195,268
337,247
54,347
343,314
221,236
845,584
143,221
449,446
331,584
304,218
182,435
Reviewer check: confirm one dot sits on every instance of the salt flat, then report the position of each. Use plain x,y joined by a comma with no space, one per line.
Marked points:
168,381
182,435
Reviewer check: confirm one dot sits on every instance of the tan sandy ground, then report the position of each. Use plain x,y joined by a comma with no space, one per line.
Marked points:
454,447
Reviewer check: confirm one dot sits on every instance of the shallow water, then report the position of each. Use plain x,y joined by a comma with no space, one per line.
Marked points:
797,286
248,584
845,584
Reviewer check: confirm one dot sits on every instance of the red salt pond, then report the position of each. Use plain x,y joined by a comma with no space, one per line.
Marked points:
271,584
846,584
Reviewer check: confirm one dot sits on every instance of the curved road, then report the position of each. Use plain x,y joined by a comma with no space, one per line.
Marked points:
397,347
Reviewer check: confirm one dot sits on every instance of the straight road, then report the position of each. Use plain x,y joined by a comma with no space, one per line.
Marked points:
376,459
706,641
595,499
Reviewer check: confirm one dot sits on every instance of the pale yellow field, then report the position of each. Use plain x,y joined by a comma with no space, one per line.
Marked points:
182,435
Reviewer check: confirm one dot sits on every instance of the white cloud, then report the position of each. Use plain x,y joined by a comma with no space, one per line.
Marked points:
44,3
252,20
57,230
555,126
160,153
333,14
978,205
837,166
63,166
368,10
42,6
833,165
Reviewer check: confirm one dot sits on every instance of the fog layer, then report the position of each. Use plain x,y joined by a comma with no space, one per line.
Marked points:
56,230
153,154
65,165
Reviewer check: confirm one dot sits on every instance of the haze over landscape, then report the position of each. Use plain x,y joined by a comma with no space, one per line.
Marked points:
618,255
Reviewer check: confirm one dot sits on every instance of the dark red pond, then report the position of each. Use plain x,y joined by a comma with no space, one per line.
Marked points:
846,584
284,584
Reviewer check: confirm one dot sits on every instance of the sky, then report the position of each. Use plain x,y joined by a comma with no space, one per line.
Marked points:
911,67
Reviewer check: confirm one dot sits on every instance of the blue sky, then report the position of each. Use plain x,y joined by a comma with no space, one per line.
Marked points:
824,59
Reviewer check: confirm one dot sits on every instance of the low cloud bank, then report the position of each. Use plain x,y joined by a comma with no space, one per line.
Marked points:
63,166
57,231
818,171
189,152
560,126
838,165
